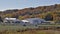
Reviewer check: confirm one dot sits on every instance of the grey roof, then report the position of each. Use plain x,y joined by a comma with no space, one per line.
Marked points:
35,20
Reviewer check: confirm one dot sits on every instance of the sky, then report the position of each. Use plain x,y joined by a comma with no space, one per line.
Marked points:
20,4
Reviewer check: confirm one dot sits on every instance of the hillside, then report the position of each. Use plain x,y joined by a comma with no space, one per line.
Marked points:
40,12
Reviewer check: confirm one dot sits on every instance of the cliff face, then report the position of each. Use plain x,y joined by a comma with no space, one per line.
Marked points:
31,12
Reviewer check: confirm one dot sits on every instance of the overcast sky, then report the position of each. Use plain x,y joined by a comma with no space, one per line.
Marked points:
20,4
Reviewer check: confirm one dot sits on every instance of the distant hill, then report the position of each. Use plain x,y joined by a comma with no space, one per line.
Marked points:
30,11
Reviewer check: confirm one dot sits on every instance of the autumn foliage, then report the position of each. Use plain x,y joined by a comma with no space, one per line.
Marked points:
38,12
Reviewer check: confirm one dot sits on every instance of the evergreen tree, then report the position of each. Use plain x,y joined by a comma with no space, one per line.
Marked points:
1,19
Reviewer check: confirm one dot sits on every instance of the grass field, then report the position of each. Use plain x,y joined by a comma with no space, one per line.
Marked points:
16,30
30,32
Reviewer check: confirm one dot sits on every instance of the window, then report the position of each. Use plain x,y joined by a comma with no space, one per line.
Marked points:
17,22
36,21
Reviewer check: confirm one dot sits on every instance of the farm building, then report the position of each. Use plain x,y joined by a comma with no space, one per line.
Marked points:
29,21
33,20
12,21
37,21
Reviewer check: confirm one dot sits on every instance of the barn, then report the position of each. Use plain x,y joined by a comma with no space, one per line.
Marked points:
33,20
12,21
